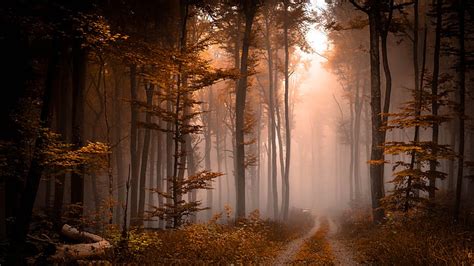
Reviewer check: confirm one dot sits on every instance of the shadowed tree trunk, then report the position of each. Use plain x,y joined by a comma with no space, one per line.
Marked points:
27,200
160,167
145,151
119,161
63,116
249,9
78,88
462,105
372,9
434,91
133,144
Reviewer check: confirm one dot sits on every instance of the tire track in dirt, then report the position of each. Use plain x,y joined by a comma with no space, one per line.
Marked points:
294,246
343,256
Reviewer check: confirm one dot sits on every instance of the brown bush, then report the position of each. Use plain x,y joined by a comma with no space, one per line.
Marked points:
416,238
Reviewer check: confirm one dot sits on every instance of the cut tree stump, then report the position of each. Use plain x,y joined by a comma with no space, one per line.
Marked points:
94,246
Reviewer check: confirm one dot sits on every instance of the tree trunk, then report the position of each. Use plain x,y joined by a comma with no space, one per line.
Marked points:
385,28
434,92
191,172
256,180
133,144
249,7
376,156
27,200
207,152
151,174
64,115
160,168
451,165
286,177
280,148
352,153
78,87
272,154
357,119
145,152
119,161
462,106
97,248
219,154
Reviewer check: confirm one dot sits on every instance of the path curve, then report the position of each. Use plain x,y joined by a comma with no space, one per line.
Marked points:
294,246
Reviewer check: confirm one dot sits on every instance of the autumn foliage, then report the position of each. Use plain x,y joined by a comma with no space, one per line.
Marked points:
420,238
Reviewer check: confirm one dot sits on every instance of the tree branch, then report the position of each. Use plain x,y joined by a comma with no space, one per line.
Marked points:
358,6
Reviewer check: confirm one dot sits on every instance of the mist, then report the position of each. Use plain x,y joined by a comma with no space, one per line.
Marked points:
271,125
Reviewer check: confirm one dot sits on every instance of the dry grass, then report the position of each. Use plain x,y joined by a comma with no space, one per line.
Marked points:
316,250
423,238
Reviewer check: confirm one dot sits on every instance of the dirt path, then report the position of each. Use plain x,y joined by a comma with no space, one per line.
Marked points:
341,253
286,256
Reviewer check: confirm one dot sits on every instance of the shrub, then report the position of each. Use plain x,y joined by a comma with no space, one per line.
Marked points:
417,238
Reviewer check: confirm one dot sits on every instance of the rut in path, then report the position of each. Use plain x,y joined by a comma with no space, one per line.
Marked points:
294,246
342,255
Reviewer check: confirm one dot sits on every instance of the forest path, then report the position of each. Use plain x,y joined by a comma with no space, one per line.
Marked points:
343,256
294,246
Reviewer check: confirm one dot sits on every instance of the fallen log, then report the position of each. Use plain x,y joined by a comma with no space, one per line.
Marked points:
94,246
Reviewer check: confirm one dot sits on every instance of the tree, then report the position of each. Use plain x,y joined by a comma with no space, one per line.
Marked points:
372,9
249,8
461,6
408,180
434,85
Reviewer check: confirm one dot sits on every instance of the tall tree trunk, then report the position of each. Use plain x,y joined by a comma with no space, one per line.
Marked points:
119,161
434,91
272,154
160,167
134,145
27,200
352,153
191,171
219,155
249,7
376,156
152,173
207,152
64,115
384,30
256,180
169,155
145,151
356,140
462,105
286,177
280,147
451,165
78,87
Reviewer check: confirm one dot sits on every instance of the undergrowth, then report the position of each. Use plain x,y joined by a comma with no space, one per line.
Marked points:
417,238
251,240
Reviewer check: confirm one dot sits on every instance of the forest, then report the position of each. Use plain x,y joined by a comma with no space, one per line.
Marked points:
270,132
